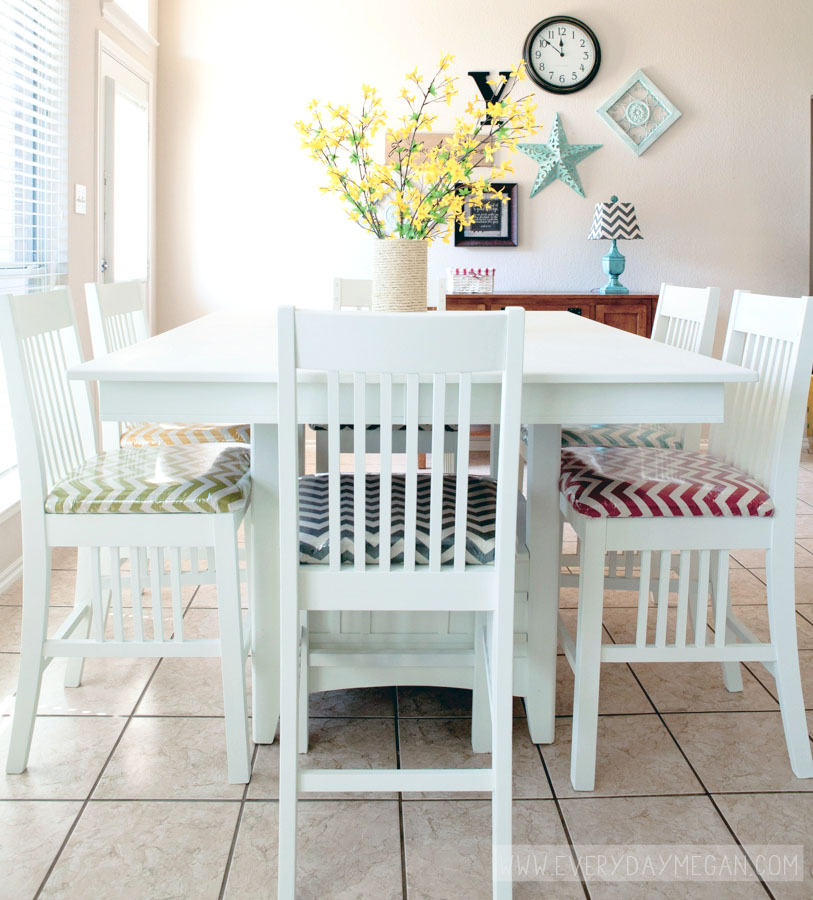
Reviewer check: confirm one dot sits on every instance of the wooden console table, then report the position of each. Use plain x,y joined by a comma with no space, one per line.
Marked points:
629,312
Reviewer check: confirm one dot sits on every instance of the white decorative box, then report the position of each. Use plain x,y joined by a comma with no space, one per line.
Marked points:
470,281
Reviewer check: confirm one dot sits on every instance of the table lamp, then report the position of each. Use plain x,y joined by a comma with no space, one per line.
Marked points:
614,221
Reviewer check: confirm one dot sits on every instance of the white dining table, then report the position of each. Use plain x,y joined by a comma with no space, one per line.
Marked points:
223,368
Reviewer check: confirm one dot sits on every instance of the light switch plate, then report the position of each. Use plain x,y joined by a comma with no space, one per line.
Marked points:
80,199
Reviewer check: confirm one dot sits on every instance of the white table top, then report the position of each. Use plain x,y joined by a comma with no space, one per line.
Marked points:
560,347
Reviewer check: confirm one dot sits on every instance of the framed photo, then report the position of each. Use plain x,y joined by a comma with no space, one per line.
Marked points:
494,224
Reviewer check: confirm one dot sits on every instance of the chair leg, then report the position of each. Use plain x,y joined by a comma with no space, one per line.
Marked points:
300,448
480,706
36,600
232,657
494,450
289,634
321,451
587,671
732,671
76,664
304,693
501,655
782,616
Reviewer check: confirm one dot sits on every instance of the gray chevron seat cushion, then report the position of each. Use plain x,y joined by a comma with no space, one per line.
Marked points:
314,542
197,478
376,427
649,436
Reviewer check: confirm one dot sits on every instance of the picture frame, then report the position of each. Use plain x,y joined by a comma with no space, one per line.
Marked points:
495,223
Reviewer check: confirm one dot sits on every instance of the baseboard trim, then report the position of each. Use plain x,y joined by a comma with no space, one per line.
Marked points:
10,574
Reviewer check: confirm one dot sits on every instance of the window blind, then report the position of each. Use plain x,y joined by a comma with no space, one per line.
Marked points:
33,158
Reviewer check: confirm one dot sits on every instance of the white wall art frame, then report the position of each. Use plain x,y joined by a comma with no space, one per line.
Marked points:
639,113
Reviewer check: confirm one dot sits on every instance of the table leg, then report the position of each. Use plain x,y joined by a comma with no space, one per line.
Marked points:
264,584
542,522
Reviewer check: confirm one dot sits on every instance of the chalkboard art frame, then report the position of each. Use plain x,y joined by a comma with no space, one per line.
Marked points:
494,225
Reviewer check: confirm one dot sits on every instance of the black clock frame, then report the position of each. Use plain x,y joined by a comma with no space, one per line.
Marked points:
549,85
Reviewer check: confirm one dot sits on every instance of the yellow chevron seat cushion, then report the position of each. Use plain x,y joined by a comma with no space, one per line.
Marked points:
199,478
150,434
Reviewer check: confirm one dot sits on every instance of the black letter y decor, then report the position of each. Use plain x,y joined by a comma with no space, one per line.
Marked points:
481,80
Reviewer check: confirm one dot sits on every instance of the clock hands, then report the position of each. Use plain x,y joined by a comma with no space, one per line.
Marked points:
553,46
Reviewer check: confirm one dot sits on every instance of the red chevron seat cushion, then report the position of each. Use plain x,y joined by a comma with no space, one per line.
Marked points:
647,483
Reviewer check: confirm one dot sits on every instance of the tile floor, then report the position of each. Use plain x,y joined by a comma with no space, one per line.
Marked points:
126,783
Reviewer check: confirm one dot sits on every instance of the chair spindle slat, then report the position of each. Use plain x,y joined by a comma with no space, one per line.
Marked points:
385,485
334,473
359,472
664,577
411,480
462,475
436,484
177,597
643,597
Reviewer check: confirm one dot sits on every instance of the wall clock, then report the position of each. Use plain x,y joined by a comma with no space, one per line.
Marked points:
562,54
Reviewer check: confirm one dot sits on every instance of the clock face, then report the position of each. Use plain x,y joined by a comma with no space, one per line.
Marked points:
562,54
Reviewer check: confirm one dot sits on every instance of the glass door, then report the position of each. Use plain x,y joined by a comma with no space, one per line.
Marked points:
125,184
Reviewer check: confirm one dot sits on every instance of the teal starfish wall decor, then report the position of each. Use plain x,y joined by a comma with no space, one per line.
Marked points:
557,159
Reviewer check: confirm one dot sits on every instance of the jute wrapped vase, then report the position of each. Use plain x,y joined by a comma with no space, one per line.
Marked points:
399,276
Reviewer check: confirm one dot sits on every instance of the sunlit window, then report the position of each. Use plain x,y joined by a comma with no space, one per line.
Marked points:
33,158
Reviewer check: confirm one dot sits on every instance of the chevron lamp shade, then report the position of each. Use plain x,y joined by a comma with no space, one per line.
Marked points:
614,221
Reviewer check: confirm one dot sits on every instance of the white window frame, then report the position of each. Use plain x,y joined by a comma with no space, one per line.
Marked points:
127,26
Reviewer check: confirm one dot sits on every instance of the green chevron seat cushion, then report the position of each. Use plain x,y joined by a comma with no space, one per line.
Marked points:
198,478
649,436
314,537
149,434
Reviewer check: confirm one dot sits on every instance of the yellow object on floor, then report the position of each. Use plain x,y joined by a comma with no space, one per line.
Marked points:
809,427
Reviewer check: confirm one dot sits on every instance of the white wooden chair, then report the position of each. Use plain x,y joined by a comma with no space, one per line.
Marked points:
152,501
117,316
426,543
699,507
357,294
684,317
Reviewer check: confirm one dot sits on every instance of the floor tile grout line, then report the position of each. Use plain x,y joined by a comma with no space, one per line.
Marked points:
237,826
93,787
401,826
561,815
705,788
103,769
747,855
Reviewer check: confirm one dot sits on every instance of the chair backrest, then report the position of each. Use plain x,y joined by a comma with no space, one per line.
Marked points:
686,317
352,293
357,293
54,427
764,419
399,369
117,314
441,298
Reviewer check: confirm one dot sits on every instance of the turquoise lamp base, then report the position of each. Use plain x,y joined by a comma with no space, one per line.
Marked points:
613,264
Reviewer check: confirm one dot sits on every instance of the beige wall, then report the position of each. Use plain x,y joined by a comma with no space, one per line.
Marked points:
723,198
85,21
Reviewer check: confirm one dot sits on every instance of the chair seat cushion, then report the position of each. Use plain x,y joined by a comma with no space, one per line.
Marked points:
199,478
314,539
159,435
654,436
376,427
627,483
